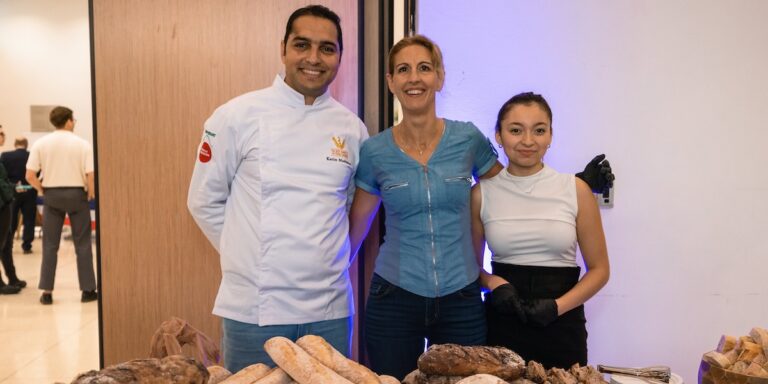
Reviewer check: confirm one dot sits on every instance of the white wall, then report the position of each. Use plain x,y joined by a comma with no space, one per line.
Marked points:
44,60
673,92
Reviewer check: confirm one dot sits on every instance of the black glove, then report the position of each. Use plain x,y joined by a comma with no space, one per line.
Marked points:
539,312
506,300
598,174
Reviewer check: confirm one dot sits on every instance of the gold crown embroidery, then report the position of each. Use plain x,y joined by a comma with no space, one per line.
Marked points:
338,142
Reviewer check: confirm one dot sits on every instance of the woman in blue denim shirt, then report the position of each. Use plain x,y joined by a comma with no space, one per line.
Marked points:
426,276
425,284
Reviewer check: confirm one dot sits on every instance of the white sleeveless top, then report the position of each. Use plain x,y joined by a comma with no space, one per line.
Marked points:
531,220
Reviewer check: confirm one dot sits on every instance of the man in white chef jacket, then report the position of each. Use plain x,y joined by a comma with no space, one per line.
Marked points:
270,189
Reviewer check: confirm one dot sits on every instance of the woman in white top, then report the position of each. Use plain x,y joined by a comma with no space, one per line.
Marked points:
533,217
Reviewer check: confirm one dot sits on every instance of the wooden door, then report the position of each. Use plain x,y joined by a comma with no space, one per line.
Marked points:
160,69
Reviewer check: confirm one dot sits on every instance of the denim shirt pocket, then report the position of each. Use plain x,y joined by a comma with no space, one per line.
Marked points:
457,190
397,196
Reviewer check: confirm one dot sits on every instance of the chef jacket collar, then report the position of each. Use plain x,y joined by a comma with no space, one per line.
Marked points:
294,96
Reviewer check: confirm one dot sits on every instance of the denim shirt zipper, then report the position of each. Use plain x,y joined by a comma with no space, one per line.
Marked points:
431,229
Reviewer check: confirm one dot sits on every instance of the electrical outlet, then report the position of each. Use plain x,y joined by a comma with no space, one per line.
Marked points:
605,199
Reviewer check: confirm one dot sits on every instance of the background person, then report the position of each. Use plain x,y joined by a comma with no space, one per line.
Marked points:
533,217
66,162
6,199
25,197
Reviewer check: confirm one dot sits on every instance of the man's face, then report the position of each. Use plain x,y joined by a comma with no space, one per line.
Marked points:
311,56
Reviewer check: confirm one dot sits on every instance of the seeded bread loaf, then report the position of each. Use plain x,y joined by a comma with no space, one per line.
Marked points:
457,360
168,370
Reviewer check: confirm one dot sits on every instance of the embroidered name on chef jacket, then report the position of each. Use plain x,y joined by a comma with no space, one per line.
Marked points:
338,151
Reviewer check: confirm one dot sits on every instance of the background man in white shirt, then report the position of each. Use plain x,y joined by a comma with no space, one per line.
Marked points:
270,191
66,163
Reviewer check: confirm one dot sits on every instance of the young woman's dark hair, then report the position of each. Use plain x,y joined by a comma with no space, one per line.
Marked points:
525,98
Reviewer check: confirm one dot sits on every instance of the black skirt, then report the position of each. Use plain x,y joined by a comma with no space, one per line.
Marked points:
561,343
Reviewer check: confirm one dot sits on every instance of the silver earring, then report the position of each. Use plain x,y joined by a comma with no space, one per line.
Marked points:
549,146
499,145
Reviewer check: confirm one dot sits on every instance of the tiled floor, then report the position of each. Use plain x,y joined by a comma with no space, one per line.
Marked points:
51,343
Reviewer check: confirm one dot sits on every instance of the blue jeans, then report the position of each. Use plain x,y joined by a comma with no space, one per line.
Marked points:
398,321
243,343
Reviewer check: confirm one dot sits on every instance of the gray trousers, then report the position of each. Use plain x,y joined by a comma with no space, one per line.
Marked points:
56,203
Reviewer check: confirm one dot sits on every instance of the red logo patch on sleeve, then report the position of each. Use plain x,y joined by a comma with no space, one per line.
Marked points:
205,153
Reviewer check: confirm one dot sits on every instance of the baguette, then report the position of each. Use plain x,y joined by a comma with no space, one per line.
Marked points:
248,374
275,376
218,374
321,350
302,367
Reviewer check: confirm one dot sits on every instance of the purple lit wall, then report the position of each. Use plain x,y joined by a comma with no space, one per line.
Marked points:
674,92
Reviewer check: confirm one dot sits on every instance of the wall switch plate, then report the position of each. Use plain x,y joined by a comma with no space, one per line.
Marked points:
605,199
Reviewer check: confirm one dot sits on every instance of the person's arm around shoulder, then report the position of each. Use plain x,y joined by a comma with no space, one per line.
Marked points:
591,239
361,214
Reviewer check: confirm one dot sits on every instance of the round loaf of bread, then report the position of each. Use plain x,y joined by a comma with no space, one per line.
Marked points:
457,360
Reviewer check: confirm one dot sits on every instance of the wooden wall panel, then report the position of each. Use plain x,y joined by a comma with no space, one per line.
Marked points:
161,68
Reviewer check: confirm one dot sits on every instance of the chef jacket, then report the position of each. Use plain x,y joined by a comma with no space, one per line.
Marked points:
270,190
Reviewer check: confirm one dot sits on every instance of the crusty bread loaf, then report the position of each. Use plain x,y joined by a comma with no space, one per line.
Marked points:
217,374
749,351
732,356
740,367
168,370
755,369
457,360
248,374
318,348
760,335
481,378
717,359
561,376
384,379
419,377
726,343
522,380
535,372
275,376
302,367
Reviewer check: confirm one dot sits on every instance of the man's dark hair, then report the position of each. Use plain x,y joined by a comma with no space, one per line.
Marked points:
60,116
21,142
525,98
317,11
